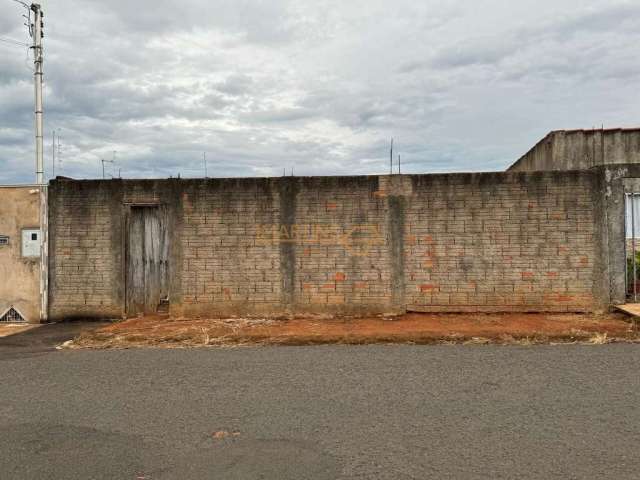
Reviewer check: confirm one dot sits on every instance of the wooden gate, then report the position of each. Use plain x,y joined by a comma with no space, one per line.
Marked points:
147,283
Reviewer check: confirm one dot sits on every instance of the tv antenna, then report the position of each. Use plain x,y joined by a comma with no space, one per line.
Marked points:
204,160
106,161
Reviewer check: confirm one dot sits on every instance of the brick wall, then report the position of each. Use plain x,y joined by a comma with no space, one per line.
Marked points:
341,254
84,276
491,242
481,242
225,264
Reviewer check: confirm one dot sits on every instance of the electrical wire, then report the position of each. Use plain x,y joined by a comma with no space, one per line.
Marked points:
11,41
22,3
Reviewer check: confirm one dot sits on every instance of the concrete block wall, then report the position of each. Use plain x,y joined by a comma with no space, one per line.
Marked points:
227,265
500,242
340,245
283,245
370,244
84,270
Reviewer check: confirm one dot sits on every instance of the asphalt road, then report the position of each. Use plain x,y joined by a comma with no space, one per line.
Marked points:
322,412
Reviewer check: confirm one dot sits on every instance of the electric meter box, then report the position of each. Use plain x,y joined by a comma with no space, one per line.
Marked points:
31,242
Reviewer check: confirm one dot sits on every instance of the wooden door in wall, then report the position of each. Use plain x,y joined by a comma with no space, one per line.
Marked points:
147,284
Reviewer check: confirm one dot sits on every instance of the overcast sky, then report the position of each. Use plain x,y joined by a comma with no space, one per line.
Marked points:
319,86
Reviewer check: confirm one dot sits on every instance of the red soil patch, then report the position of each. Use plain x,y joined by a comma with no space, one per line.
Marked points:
409,328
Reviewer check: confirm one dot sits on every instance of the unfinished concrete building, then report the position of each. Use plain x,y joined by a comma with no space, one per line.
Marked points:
581,150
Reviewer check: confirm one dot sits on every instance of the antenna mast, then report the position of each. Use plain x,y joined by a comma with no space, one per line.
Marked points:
106,161
204,160
53,154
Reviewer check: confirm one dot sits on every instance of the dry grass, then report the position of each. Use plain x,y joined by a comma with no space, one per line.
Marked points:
503,329
599,339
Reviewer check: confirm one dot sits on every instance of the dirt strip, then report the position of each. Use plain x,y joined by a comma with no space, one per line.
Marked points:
157,331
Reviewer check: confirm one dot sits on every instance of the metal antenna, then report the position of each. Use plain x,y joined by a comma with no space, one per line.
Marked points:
204,160
59,149
391,158
53,154
103,162
55,149
603,161
398,164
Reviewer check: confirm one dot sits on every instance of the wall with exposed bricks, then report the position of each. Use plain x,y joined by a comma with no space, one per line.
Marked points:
370,244
225,267
492,242
340,253
84,231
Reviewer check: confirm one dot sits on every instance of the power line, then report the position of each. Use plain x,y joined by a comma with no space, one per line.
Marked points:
11,41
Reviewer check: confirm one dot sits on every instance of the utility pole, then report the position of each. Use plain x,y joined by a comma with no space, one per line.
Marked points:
37,32
391,158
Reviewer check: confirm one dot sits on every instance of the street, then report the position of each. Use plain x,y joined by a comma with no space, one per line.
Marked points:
320,412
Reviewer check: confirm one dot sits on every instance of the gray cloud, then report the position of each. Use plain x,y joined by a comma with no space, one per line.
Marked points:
319,86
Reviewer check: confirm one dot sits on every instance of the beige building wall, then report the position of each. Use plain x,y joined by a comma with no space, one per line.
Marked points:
581,150
19,275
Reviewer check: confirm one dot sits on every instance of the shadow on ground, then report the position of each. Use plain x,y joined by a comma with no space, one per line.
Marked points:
43,339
